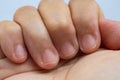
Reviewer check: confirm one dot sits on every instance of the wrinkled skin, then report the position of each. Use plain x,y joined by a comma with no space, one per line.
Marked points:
101,65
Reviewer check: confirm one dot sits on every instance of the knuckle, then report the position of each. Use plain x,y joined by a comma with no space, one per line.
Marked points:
21,12
63,24
86,22
9,26
40,4
43,5
80,0
33,35
65,28
71,2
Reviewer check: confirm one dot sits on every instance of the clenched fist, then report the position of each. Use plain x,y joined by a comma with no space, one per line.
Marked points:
57,31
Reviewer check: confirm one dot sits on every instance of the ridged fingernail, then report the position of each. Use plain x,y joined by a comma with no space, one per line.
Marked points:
67,50
20,52
49,57
88,42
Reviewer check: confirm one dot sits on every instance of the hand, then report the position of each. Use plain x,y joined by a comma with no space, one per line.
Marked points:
48,32
101,65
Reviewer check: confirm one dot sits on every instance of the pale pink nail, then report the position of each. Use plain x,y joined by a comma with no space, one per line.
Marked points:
88,42
49,57
20,52
67,49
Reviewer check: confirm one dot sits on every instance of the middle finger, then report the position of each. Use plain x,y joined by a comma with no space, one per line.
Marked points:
57,18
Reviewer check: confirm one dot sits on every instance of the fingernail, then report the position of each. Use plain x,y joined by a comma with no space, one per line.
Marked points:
67,50
88,42
20,52
48,57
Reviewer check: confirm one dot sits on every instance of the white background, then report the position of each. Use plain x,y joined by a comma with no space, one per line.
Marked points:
111,8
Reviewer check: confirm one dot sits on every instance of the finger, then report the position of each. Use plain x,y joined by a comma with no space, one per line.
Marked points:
11,41
58,21
36,37
1,54
8,69
110,33
85,17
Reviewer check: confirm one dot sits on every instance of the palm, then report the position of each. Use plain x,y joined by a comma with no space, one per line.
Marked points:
97,66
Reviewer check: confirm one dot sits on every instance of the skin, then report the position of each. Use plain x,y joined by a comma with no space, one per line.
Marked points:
101,65
56,31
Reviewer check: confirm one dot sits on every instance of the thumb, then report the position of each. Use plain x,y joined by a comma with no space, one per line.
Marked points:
110,33
8,68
